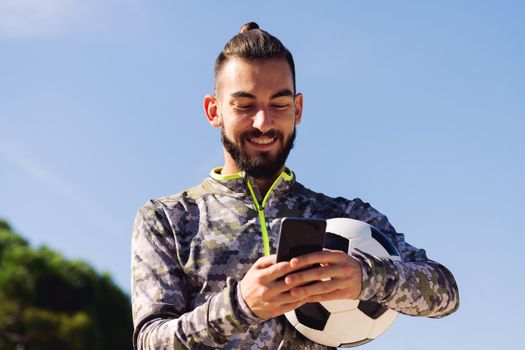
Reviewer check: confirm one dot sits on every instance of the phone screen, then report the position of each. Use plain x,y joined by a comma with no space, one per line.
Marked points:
300,236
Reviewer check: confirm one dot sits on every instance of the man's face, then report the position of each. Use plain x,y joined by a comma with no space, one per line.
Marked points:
257,111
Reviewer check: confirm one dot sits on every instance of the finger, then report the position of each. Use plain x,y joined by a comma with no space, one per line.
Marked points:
278,292
318,273
265,261
337,294
282,298
323,257
316,289
274,272
281,288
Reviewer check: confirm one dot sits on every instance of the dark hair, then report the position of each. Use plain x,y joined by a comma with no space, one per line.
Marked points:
253,44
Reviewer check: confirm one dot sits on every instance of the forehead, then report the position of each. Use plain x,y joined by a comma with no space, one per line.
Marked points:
258,78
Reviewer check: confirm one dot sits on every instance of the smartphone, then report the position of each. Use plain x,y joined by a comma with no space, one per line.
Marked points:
300,236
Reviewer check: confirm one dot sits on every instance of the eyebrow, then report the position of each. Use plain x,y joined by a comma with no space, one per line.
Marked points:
242,94
284,92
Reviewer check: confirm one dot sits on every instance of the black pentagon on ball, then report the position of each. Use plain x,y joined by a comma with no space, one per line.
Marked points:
371,309
354,344
313,315
384,241
336,242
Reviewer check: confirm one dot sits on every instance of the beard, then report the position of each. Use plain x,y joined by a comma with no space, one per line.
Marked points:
262,165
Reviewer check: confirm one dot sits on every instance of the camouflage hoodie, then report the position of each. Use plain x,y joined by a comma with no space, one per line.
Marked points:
189,251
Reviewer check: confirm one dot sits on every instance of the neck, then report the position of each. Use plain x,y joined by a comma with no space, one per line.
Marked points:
265,184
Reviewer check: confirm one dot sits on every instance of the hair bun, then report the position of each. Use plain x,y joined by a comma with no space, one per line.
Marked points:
249,26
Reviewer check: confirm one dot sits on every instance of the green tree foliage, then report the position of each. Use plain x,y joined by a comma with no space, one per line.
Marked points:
48,302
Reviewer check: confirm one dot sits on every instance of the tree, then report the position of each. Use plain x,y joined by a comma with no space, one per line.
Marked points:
48,302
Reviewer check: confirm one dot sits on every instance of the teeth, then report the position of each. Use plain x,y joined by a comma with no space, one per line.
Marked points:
262,140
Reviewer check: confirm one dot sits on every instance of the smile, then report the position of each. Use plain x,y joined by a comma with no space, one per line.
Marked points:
262,140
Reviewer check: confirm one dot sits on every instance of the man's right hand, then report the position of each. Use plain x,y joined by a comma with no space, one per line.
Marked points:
266,295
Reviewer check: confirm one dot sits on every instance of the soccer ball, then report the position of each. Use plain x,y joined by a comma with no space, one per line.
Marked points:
347,323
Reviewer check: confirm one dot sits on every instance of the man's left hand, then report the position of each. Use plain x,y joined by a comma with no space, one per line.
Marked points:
338,277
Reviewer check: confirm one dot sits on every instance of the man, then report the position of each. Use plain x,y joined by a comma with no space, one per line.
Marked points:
203,263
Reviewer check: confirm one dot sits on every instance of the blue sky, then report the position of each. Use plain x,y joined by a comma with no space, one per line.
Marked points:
414,106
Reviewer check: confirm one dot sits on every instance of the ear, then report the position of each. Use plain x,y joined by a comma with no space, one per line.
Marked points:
211,110
298,104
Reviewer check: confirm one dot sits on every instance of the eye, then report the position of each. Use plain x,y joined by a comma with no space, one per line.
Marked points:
244,107
281,106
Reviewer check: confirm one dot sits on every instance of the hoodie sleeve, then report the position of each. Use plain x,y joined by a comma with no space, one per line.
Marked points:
164,316
414,286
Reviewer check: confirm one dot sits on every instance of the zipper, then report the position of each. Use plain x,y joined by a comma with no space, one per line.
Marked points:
260,211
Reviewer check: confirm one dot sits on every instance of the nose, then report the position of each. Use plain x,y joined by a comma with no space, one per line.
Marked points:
262,120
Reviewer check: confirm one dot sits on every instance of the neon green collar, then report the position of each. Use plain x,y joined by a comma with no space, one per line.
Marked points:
215,173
